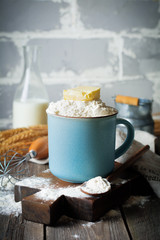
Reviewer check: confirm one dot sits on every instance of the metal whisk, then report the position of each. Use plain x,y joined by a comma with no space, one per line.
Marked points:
14,165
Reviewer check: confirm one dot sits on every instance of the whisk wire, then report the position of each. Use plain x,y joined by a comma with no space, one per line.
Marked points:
14,166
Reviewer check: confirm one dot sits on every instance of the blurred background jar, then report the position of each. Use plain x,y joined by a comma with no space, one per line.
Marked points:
137,111
31,98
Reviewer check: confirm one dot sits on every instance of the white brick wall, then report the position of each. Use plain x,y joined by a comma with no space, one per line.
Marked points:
111,43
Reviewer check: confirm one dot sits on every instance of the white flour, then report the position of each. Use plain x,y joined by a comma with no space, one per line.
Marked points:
7,204
49,190
7,183
53,194
97,185
75,236
110,214
72,108
88,224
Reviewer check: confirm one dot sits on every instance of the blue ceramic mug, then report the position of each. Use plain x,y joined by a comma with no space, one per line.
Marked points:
83,148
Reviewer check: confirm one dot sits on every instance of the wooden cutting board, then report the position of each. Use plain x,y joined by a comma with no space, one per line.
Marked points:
46,198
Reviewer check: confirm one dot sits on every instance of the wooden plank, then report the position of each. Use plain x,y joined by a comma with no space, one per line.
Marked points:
35,169
12,227
39,211
33,231
143,219
4,221
110,227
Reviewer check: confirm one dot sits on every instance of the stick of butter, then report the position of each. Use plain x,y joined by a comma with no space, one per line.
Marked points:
82,93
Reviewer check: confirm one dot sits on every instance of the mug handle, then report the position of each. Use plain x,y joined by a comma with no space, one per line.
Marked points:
129,138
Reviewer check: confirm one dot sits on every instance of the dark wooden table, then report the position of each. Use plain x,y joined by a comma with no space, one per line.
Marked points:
136,221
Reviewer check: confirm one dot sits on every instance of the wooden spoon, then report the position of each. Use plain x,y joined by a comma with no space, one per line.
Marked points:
119,170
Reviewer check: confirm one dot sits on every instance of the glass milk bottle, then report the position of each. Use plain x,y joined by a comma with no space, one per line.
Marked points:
31,98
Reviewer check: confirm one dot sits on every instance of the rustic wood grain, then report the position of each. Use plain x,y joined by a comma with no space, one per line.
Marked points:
109,227
4,221
35,169
11,227
33,231
143,220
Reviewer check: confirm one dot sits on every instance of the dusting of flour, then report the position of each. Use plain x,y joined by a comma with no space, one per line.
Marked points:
72,108
94,185
8,205
35,182
48,194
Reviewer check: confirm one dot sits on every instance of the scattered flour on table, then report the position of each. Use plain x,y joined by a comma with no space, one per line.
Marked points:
49,192
75,236
8,205
47,171
88,224
7,183
35,182
110,214
52,194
